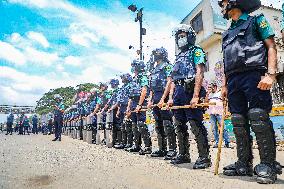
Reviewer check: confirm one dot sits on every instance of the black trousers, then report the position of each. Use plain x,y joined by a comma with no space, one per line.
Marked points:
58,128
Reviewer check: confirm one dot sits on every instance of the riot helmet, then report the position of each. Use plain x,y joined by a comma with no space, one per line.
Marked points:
187,40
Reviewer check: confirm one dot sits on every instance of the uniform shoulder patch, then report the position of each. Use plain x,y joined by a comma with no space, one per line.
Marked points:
198,53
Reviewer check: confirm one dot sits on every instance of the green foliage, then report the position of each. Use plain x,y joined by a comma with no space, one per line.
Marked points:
45,104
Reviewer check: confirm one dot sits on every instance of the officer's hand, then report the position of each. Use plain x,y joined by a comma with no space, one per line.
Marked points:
138,108
224,92
161,103
117,114
266,82
194,102
128,114
170,103
149,105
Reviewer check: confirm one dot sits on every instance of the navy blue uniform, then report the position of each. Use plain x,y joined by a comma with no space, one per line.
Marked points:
58,119
245,62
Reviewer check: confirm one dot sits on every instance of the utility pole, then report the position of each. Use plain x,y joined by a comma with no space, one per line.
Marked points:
139,17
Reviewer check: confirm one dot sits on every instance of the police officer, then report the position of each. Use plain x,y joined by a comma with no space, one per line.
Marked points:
159,81
187,75
35,123
137,95
93,104
49,123
58,117
250,62
81,106
10,120
124,120
21,121
26,125
111,107
102,99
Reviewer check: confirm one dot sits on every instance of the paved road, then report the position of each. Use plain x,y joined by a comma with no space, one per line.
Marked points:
36,162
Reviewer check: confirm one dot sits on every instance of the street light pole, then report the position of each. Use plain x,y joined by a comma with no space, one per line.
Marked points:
142,32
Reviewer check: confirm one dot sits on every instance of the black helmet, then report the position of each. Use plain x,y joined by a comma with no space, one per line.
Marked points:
191,35
126,78
160,54
247,6
114,83
138,65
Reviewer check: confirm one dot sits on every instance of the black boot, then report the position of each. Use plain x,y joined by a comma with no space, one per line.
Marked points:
146,150
200,132
183,155
162,143
158,153
243,167
267,170
145,135
171,136
134,148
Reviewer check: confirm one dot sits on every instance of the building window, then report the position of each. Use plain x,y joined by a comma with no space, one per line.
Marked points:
206,63
197,23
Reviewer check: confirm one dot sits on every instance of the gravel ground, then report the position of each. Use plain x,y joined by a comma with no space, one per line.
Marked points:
36,162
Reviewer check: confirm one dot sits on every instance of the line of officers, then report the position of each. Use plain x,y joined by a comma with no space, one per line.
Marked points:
123,110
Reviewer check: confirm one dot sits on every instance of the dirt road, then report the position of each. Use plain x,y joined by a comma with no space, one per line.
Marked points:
36,162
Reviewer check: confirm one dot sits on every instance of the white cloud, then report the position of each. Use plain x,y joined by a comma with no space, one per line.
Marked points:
40,57
11,54
38,37
87,29
72,60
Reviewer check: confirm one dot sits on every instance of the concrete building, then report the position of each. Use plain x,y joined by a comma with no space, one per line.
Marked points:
209,24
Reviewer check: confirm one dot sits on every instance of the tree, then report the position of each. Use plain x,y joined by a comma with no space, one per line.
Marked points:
45,104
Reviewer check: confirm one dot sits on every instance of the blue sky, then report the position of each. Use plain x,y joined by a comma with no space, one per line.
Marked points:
51,43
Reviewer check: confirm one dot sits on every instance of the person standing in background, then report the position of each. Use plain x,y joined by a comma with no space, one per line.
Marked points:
10,120
214,96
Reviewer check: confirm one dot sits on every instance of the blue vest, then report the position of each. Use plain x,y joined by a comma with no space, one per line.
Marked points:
158,77
184,67
135,88
10,118
123,94
243,49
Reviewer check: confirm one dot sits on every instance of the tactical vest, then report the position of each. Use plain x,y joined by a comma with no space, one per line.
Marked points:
243,49
135,88
123,94
184,67
158,77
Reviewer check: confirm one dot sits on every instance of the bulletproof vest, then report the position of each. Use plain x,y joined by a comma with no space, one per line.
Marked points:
114,97
158,77
92,105
123,94
243,49
135,88
184,67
